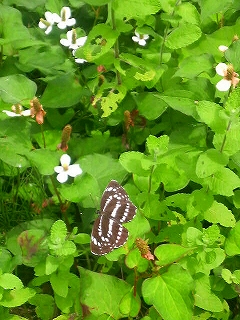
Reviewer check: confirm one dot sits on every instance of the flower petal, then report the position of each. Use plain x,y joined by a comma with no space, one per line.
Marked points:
42,25
223,85
62,25
48,30
74,170
222,48
26,113
142,42
11,114
81,41
70,22
135,39
79,60
65,160
58,169
65,42
145,36
66,11
62,177
221,69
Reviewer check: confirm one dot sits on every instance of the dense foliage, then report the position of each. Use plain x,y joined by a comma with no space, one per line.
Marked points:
143,92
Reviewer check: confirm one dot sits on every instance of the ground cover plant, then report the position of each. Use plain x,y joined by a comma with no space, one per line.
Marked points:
144,93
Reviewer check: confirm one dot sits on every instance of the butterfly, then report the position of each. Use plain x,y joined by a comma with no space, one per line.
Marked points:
108,232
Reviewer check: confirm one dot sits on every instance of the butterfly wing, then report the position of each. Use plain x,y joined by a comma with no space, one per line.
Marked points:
116,203
107,234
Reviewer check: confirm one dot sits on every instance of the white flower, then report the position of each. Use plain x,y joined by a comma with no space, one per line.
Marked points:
141,39
72,41
230,77
49,22
17,111
66,169
64,19
78,60
222,48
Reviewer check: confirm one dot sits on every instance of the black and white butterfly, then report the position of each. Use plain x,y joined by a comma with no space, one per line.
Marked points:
108,232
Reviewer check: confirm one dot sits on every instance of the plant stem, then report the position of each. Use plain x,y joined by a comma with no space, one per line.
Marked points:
116,46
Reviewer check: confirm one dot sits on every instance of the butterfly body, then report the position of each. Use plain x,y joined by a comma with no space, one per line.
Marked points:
108,232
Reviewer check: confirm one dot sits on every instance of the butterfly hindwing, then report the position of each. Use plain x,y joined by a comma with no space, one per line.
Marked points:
108,232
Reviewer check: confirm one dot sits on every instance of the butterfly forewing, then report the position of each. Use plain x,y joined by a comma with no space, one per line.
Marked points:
108,232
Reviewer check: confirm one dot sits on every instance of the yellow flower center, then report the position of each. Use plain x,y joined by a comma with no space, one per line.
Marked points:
65,167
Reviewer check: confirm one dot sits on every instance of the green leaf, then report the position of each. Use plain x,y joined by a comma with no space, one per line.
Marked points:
157,146
136,162
25,3
44,160
208,7
59,283
58,232
44,305
183,36
110,290
100,40
170,294
223,182
16,88
109,104
52,263
193,66
204,297
131,9
213,115
218,213
150,106
210,162
55,97
130,305
97,2
232,243
169,253
16,297
135,260
10,281
230,138
82,238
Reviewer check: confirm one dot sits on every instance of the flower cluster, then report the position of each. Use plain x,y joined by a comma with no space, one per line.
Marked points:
63,21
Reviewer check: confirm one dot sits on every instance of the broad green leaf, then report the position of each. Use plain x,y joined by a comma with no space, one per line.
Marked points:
59,283
169,253
99,42
209,162
130,305
14,35
44,160
208,7
55,96
16,297
204,297
188,12
232,243
213,115
107,289
193,66
233,101
135,260
97,2
219,213
198,202
183,36
109,104
157,146
10,281
177,101
16,88
52,263
82,238
231,140
170,294
44,305
131,8
150,106
223,182
25,3
136,162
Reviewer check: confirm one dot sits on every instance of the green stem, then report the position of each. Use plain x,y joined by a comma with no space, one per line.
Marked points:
43,138
116,47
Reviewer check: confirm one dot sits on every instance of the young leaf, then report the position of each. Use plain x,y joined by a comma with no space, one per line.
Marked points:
218,213
170,294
